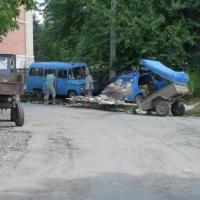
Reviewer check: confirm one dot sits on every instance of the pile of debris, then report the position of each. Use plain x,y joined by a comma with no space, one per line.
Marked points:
119,89
102,102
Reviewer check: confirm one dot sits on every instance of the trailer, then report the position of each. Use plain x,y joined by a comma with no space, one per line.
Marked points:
11,88
166,99
170,97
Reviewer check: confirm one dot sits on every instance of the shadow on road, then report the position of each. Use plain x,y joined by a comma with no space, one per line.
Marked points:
8,125
111,186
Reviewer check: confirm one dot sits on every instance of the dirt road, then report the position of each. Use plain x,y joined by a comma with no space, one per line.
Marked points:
75,154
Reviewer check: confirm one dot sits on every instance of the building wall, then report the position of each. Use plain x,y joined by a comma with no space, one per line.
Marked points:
20,42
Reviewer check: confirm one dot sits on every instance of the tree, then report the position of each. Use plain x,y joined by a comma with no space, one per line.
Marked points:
164,30
9,11
36,39
113,40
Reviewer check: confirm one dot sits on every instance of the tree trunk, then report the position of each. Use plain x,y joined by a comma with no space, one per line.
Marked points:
113,41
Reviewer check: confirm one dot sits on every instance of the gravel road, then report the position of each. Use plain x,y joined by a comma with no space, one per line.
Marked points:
77,154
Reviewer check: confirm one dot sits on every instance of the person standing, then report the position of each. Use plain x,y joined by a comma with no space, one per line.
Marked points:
50,84
89,86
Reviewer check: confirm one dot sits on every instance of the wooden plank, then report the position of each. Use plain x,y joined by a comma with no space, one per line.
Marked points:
109,105
11,88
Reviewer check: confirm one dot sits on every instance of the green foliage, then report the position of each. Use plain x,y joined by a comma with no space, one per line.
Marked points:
9,11
100,73
80,30
194,83
194,111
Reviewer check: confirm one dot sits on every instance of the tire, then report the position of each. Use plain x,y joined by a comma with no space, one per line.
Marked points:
12,115
138,99
178,109
17,114
71,94
162,108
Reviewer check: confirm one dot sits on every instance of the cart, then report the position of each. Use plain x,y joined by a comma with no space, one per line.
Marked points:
170,97
166,99
11,88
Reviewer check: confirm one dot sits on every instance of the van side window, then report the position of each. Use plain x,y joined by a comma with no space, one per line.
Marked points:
49,71
62,74
76,73
36,72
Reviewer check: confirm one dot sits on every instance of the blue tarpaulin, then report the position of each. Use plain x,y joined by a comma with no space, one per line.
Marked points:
165,72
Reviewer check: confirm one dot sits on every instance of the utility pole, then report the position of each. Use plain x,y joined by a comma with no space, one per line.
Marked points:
113,40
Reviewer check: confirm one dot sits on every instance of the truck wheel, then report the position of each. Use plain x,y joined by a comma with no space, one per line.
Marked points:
162,108
138,99
71,94
178,109
17,114
13,115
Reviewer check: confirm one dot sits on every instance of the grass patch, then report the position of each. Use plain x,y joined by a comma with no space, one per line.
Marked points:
189,100
194,111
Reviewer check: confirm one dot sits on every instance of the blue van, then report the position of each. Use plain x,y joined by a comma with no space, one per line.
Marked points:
70,78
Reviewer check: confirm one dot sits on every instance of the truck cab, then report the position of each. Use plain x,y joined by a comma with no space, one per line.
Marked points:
7,63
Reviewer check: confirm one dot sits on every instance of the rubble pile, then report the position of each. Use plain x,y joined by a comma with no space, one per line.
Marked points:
102,102
118,91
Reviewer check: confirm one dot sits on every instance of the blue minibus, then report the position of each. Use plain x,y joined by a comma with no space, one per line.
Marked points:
70,78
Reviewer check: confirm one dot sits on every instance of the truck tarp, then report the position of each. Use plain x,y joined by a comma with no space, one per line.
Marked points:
180,78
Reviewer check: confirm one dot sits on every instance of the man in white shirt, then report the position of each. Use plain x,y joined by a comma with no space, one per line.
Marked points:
89,87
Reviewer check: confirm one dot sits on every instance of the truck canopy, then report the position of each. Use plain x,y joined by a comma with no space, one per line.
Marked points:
180,78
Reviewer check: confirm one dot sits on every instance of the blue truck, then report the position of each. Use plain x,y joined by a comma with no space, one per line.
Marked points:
158,88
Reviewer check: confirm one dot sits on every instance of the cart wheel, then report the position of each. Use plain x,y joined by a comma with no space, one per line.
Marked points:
162,108
178,109
17,114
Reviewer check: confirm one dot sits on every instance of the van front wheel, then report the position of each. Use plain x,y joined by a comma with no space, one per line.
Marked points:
71,94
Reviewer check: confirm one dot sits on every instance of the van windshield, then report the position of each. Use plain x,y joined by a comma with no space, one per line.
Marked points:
124,83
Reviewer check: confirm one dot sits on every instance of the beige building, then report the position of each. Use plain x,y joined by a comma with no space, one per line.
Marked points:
20,42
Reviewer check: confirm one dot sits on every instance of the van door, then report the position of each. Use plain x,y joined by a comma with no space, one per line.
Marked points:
61,83
35,80
76,80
